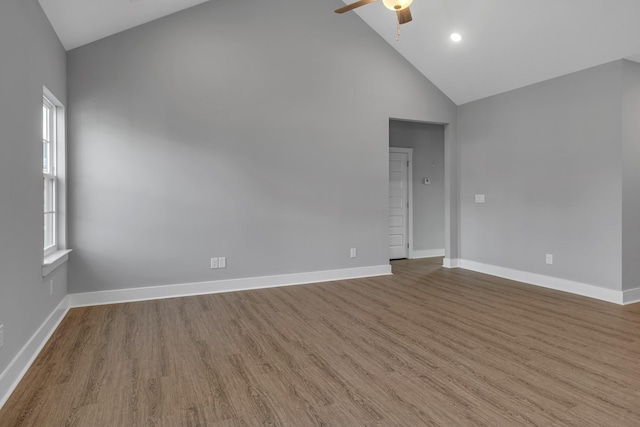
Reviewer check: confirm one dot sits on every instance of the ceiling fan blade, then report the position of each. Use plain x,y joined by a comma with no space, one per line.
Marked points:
404,16
353,6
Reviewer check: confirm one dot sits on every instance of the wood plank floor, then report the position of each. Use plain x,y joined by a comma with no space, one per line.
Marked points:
427,346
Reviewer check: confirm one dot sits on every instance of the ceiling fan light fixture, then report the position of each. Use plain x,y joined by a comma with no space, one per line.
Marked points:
397,4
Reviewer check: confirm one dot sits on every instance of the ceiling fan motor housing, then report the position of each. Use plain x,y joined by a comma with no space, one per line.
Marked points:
397,4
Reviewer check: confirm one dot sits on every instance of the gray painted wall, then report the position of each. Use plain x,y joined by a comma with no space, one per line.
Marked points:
631,176
32,57
427,142
548,158
226,130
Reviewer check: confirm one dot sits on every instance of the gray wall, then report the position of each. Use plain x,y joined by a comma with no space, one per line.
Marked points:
32,57
631,176
548,158
228,130
427,142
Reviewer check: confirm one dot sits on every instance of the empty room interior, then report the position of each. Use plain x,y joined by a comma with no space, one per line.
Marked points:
317,212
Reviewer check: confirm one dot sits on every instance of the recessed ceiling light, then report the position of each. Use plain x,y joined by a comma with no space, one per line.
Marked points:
455,37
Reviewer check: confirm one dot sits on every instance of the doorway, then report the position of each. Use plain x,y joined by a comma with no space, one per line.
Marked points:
426,211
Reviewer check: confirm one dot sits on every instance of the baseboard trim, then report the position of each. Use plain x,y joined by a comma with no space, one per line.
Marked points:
631,296
549,282
427,253
12,375
450,263
232,285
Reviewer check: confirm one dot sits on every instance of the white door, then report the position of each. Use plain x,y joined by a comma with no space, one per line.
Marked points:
398,203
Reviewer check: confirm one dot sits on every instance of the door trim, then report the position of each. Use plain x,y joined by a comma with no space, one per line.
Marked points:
409,153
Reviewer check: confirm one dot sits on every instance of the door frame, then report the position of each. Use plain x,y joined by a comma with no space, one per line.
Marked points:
409,227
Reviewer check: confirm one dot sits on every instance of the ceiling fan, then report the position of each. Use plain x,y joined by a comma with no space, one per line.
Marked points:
401,7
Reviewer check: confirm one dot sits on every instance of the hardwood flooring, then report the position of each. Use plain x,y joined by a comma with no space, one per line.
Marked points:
424,347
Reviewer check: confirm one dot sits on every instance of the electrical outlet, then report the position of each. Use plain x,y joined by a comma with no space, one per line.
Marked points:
222,262
1,336
50,287
353,253
479,198
214,263
549,258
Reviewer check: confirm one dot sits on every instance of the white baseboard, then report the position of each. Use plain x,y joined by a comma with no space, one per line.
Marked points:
12,375
450,263
201,288
631,296
427,253
603,294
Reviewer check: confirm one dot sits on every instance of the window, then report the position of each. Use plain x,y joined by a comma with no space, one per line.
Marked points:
50,178
55,252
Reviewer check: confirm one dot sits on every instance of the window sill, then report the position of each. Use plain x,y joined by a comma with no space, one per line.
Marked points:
54,260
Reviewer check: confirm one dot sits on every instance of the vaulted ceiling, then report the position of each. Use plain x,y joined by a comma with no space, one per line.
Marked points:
507,44
78,22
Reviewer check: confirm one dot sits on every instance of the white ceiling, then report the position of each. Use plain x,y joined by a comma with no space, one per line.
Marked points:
78,22
506,44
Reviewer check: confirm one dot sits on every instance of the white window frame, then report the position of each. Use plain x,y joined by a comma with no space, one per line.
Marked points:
50,180
55,254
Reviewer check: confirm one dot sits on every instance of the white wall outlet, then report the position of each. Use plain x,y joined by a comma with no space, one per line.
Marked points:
353,253
50,287
214,263
549,258
479,198
1,336
222,262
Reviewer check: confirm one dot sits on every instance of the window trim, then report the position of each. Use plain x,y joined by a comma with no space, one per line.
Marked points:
58,254
50,174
